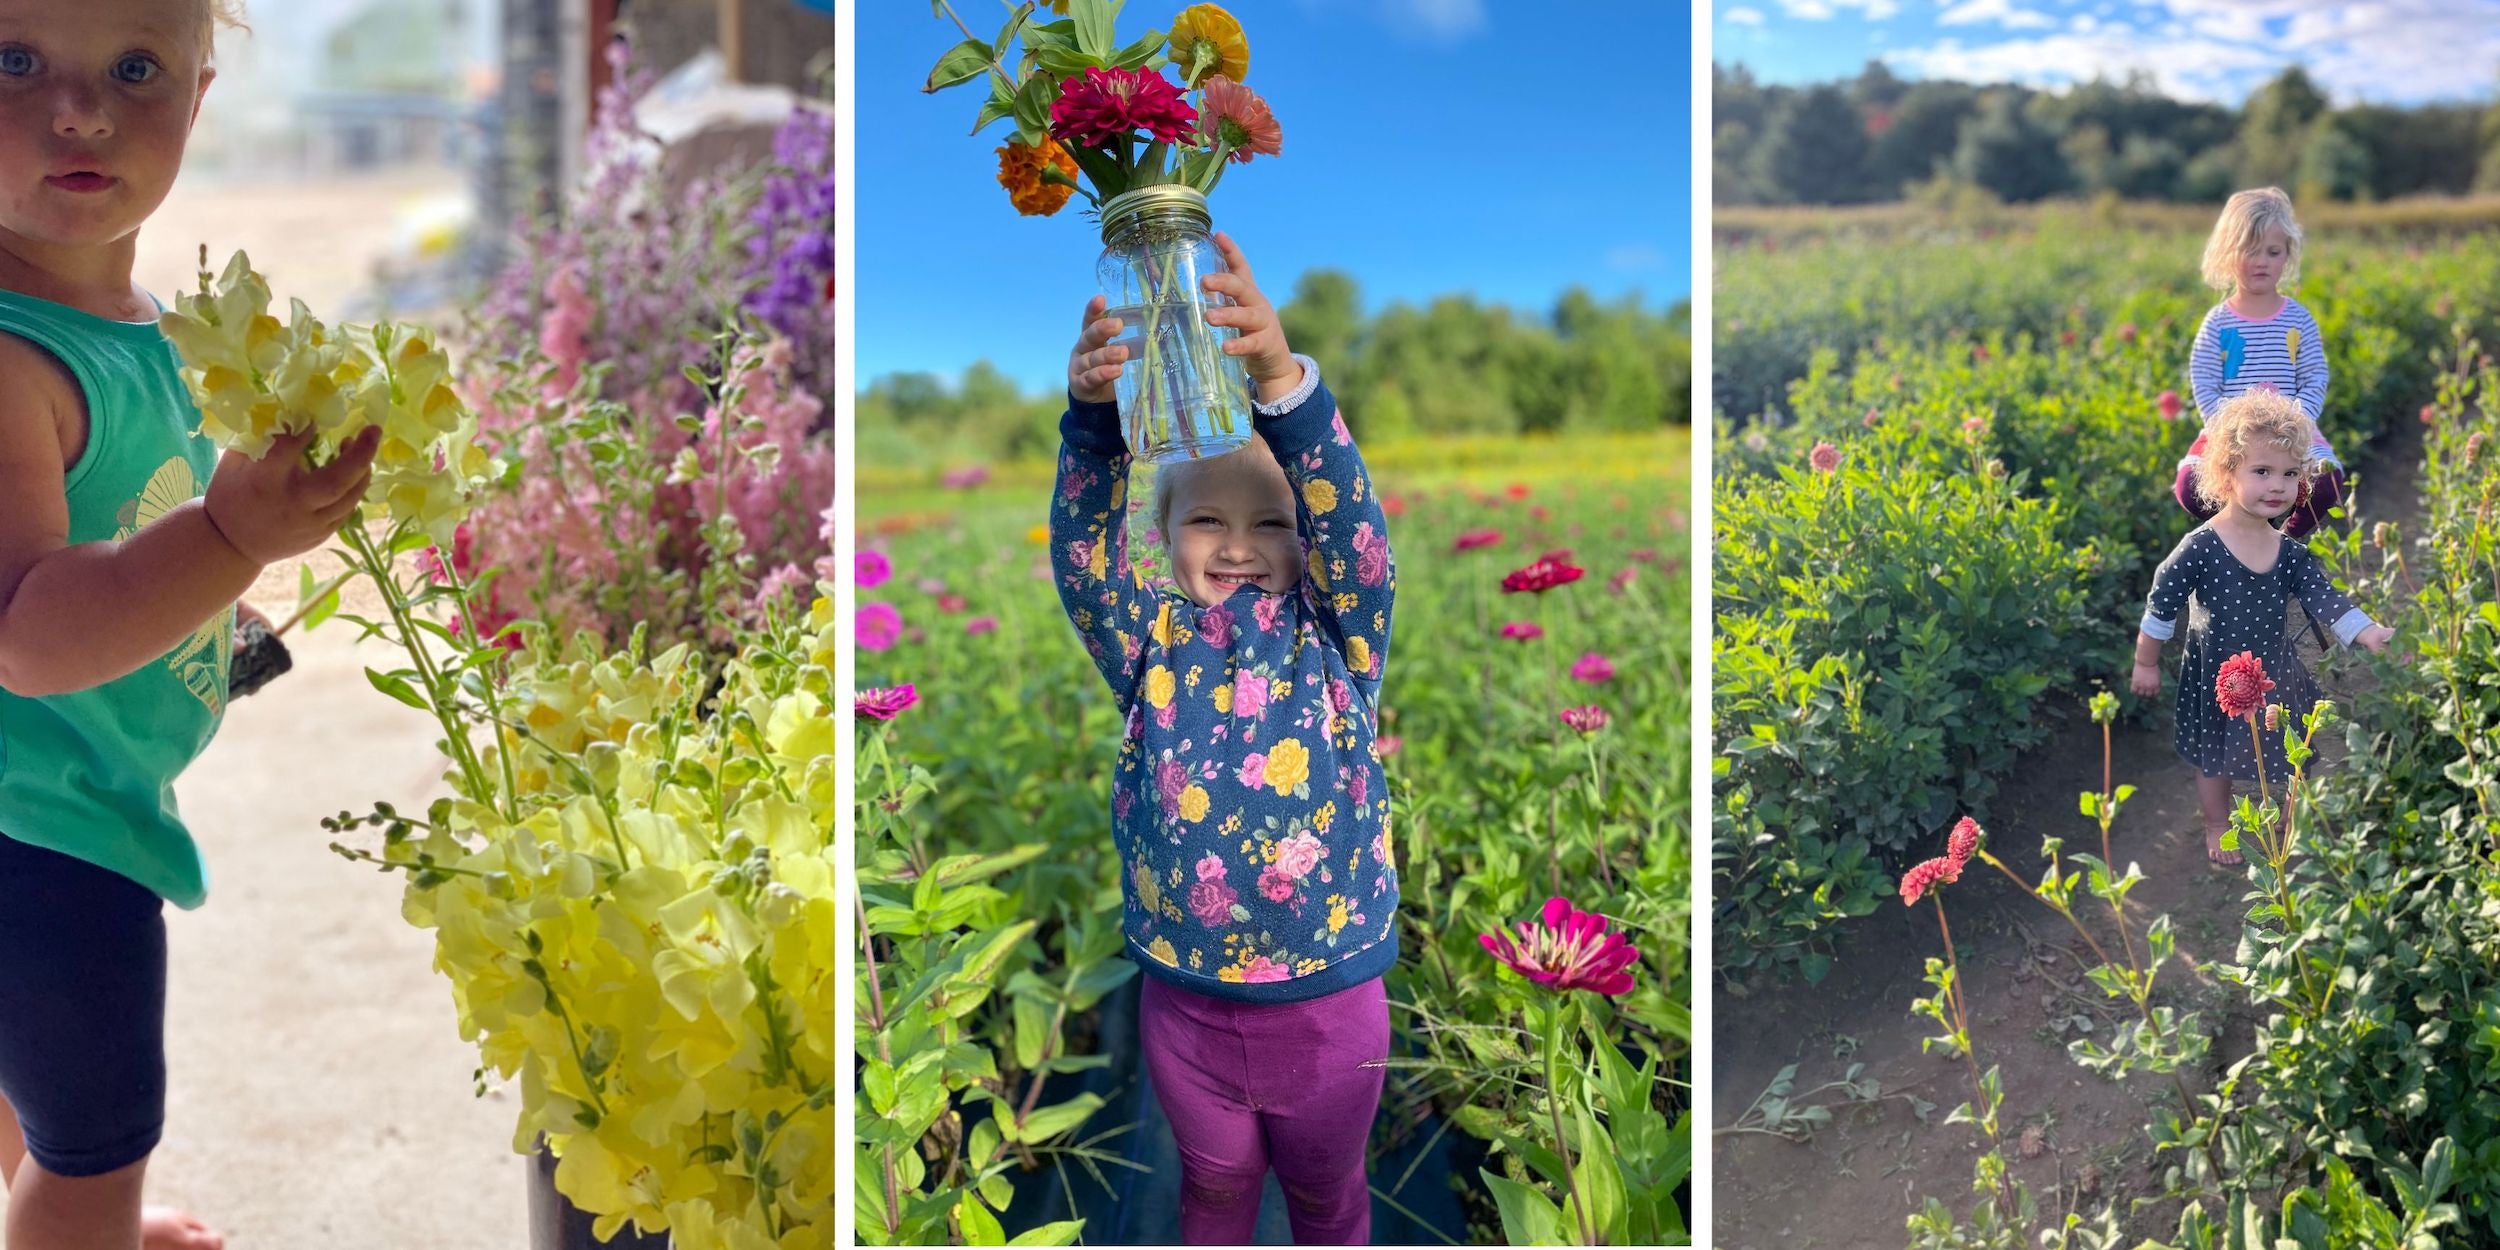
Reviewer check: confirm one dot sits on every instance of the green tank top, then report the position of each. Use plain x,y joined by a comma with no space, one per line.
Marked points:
91,774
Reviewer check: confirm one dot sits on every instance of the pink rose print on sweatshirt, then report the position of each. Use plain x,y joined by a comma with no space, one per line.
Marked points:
1371,555
1171,777
1250,696
1261,970
1270,609
1211,899
1253,770
1275,885
1298,855
1216,626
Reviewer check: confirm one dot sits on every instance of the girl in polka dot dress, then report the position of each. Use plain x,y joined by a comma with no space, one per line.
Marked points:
2232,577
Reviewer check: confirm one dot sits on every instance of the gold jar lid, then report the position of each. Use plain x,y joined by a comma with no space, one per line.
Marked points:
1167,203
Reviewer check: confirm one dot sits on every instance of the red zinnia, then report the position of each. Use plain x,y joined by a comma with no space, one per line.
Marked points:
1522,631
1825,458
1965,839
2169,405
1593,668
1516,490
1108,104
1569,950
1918,881
884,702
1472,539
1587,720
2240,688
1544,575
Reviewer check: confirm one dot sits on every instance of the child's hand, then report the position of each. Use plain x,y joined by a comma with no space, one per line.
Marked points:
1260,337
2375,637
275,507
2147,680
1094,363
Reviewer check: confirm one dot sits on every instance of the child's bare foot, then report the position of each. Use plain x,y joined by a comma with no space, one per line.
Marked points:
166,1228
2215,853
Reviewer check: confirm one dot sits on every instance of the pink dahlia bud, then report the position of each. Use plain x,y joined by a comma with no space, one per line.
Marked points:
1964,840
1918,881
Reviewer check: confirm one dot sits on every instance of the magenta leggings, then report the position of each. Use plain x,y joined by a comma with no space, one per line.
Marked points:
1250,1085
2320,494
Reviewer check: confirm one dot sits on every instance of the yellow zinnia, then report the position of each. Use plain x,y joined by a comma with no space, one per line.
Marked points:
1288,766
1207,41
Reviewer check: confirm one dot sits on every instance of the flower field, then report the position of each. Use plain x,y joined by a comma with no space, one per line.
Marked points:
1534,738
1944,483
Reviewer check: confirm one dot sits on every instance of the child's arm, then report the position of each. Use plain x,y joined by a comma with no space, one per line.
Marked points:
1089,561
76,616
2178,575
1353,578
2309,372
2205,369
2352,626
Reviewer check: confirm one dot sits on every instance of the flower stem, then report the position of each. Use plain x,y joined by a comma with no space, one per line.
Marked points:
1553,1107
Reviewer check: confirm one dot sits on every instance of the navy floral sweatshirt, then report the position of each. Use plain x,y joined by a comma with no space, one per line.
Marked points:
1250,812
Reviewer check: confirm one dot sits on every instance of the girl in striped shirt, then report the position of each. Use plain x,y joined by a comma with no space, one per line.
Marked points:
2259,339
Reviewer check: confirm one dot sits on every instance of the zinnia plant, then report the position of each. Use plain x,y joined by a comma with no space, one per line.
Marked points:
1095,117
1566,949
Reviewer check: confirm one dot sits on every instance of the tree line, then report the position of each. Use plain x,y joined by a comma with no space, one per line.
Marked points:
1877,138
1453,366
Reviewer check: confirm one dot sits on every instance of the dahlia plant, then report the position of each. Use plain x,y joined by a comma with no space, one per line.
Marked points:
631,880
1095,118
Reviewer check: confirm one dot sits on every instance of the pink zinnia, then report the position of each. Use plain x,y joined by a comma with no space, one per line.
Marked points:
980,625
884,702
1587,720
1522,631
1965,839
878,625
966,478
1593,668
1543,575
870,569
2169,405
1825,458
1472,539
1108,104
1873,416
1916,882
2240,688
1569,950
1623,577
1236,115
1387,745
951,603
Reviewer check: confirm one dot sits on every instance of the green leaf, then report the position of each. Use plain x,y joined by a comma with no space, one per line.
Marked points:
398,688
1049,1122
1063,1233
980,1228
1529,1218
1031,109
1599,1180
1032,1029
1095,20
962,63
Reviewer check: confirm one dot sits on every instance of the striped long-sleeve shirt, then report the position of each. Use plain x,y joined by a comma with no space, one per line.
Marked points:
2234,355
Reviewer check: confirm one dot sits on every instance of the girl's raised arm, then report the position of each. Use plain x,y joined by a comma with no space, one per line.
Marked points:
1104,597
1351,575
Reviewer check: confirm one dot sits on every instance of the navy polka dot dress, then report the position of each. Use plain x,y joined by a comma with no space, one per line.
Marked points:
2231,608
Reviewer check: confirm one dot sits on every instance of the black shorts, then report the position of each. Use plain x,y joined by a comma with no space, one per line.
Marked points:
82,1010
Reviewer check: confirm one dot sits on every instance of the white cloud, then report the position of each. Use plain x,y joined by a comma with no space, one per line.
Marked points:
1821,10
1445,19
2002,12
2396,51
1742,16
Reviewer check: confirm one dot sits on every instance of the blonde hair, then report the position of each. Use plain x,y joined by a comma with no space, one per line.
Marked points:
2245,219
2258,419
216,13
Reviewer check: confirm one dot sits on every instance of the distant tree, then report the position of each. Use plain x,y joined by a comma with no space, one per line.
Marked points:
2416,151
2147,169
2274,128
1814,150
1921,134
2333,164
2008,154
2209,177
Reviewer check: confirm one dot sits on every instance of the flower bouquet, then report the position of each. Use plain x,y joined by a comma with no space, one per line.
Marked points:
631,881
1101,119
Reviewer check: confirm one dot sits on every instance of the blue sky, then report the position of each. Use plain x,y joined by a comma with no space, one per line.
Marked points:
2383,51
1430,147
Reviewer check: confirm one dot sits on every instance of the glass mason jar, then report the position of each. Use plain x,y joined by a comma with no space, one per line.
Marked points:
1181,397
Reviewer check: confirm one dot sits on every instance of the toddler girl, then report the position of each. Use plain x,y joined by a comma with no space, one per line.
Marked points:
1250,815
124,546
2259,339
2233,575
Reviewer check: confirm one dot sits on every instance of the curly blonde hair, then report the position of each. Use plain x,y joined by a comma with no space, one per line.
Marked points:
2254,420
2245,219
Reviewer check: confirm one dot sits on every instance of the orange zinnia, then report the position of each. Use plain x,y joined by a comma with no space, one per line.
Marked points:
1020,171
1235,115
1207,41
